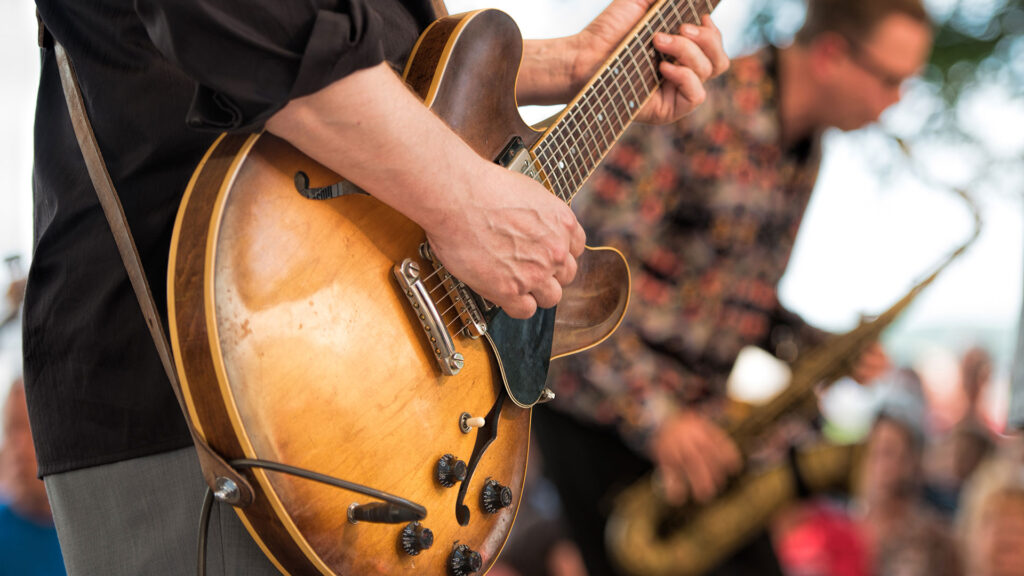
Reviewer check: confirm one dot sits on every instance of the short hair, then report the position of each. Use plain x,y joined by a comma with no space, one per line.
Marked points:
854,19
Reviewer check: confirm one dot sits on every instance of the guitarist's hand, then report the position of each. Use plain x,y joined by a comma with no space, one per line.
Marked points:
503,234
694,457
510,240
693,55
554,70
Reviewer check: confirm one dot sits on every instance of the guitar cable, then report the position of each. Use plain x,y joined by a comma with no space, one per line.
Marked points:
396,510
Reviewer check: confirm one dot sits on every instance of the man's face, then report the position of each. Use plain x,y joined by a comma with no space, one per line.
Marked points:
890,463
869,72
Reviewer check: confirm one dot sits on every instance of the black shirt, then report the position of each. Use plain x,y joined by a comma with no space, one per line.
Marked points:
160,78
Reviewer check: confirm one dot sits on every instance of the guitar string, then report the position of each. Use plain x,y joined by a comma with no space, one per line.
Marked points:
556,175
569,148
573,181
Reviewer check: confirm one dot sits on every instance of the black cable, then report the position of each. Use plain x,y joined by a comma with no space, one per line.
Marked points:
330,480
204,525
244,463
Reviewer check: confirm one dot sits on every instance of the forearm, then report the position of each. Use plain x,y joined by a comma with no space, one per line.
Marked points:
548,73
503,234
393,147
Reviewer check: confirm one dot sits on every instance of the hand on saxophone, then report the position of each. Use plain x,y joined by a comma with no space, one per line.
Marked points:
872,363
694,458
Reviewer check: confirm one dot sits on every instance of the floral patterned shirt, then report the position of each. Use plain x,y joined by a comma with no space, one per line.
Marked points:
706,212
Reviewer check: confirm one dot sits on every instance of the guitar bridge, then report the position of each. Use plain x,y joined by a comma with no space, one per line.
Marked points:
467,304
431,318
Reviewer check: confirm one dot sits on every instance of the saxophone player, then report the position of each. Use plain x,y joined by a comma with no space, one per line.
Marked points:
706,211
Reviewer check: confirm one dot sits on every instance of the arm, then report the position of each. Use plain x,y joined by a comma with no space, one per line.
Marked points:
791,335
555,70
315,76
502,233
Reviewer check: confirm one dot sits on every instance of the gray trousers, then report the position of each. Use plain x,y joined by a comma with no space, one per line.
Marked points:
140,518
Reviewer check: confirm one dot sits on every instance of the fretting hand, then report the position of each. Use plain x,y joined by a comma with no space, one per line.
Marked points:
694,55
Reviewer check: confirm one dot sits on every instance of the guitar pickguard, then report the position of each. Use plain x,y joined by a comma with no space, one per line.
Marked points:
523,348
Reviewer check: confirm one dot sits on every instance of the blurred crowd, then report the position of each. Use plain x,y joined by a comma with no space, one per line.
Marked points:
931,496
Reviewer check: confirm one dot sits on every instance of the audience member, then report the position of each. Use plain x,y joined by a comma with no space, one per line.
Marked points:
991,521
903,536
28,540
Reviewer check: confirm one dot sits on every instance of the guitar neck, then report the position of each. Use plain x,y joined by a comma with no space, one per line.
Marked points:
586,130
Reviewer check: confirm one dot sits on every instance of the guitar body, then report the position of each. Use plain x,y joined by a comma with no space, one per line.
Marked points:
296,344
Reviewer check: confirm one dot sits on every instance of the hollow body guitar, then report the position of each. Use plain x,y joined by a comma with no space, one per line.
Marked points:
312,327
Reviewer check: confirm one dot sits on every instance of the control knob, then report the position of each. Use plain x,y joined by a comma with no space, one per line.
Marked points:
415,538
463,561
450,470
495,497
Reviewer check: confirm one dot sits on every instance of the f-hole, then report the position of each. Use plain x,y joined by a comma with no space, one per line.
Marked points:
485,435
324,192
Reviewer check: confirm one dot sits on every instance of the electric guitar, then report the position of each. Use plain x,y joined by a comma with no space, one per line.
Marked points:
312,326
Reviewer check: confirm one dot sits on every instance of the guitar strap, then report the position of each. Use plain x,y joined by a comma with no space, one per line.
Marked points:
216,471
227,483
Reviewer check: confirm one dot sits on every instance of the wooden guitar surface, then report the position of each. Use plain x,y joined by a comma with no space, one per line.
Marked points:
295,343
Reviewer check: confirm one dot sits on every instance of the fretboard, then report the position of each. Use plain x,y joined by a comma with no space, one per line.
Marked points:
572,148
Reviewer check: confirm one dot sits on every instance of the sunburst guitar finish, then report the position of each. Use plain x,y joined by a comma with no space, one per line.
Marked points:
296,344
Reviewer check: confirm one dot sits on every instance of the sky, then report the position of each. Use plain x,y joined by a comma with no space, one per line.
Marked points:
867,236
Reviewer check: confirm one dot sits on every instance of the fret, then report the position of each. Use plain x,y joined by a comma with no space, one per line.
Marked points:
566,170
651,56
665,26
584,151
569,155
594,123
674,12
635,101
696,16
615,109
619,87
578,164
563,177
648,74
635,67
582,144
571,149
608,119
555,171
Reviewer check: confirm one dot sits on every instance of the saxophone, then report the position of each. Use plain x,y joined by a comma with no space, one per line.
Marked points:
648,537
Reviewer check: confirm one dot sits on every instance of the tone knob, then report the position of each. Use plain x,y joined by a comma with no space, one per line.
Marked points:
463,561
415,538
450,470
495,497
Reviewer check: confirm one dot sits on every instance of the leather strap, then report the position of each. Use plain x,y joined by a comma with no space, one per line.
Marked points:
440,10
213,465
44,39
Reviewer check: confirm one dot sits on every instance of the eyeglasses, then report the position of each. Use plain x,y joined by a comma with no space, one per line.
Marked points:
870,65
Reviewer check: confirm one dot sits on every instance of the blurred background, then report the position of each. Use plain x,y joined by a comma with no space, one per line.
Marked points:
875,223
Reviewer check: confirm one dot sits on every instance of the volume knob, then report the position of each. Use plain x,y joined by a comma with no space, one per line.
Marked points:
415,538
450,470
495,497
463,561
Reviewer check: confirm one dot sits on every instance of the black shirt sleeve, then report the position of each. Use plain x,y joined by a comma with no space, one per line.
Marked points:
249,57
